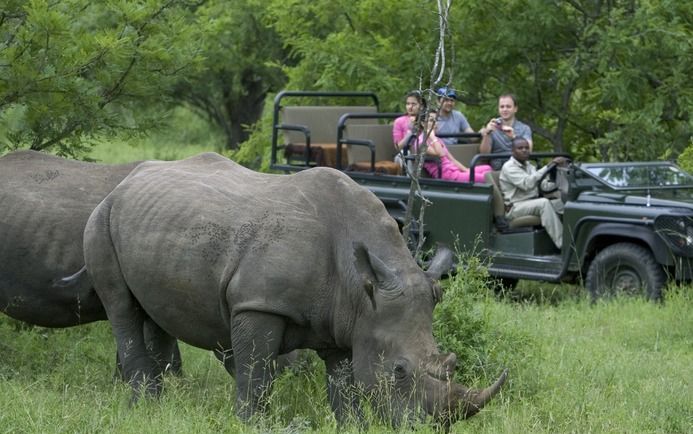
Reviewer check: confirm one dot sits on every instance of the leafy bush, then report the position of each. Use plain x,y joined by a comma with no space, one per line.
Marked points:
459,323
685,160
462,324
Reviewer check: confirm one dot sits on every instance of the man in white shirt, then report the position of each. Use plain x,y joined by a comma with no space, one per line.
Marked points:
519,181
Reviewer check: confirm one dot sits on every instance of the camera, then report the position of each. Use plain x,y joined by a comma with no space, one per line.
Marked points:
499,123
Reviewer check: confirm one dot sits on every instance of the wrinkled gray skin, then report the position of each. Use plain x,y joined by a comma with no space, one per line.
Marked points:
225,258
45,202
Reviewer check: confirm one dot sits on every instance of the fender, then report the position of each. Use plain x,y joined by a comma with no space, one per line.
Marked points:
625,231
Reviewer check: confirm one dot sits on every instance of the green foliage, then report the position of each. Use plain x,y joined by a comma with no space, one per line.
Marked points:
602,80
185,135
606,81
243,59
75,69
622,366
685,160
462,323
362,45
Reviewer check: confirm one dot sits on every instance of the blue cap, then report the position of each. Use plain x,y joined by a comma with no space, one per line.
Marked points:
447,92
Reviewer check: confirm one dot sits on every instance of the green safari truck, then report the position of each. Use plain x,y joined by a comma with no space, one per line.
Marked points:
627,227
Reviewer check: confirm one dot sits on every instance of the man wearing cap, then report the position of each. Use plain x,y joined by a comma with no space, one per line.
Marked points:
450,121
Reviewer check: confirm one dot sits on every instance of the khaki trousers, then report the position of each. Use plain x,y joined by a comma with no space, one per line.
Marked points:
547,210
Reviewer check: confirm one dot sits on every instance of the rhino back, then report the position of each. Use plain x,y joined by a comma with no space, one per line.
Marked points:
45,202
199,238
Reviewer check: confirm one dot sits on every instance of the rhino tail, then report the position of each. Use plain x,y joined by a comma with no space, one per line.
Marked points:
69,281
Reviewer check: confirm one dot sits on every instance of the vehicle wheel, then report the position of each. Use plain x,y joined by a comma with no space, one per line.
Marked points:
625,268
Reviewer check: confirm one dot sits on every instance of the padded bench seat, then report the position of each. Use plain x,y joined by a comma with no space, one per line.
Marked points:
498,205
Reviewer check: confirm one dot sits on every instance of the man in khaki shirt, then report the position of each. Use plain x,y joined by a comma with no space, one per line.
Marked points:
519,181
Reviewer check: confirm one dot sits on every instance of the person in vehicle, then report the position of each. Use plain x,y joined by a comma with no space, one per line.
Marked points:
405,127
519,181
450,168
498,134
450,121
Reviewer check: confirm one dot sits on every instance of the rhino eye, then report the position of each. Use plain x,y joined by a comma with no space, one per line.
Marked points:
401,369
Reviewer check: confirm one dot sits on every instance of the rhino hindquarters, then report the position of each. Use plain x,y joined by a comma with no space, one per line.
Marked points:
126,316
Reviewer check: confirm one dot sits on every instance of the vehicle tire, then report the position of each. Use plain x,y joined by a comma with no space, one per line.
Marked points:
625,268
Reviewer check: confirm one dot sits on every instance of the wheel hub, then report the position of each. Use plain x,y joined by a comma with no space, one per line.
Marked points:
626,281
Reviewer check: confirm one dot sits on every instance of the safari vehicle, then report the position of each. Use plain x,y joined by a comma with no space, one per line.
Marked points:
627,226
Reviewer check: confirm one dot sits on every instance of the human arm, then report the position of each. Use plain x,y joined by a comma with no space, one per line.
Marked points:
520,178
403,131
435,146
486,140
522,130
463,124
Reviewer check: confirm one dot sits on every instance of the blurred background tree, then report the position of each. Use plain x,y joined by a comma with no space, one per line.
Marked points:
603,80
243,61
74,70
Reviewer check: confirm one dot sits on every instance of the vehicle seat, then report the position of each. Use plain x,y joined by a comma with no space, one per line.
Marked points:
370,149
502,223
320,124
464,153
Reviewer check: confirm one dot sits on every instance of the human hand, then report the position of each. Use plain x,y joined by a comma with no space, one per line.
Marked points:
412,122
559,161
508,131
491,125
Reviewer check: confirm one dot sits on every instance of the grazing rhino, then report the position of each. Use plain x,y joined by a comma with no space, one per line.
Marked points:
45,202
256,265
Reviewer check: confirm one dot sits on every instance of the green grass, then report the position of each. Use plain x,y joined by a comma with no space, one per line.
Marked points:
623,366
185,136
619,367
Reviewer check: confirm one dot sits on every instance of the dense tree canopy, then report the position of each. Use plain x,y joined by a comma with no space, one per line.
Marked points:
242,63
602,79
75,69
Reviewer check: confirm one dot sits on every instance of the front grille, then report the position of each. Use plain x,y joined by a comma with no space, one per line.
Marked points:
677,231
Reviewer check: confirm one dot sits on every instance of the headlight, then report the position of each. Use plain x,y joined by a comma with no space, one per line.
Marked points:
677,231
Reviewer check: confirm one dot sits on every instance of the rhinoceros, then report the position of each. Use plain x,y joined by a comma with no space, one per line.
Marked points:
256,265
45,202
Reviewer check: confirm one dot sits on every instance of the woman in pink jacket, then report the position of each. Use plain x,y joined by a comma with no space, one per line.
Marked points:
450,168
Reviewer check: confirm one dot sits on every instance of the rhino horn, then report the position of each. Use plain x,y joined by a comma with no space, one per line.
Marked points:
470,402
441,263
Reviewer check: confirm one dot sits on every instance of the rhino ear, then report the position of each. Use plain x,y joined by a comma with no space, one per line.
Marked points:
371,269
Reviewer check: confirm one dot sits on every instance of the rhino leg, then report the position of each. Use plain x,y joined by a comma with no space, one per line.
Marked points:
340,387
125,314
139,369
256,338
226,357
162,347
284,361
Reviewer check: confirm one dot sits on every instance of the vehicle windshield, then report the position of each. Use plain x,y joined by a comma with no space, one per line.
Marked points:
640,175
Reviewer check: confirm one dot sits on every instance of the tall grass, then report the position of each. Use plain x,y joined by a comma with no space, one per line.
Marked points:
622,366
